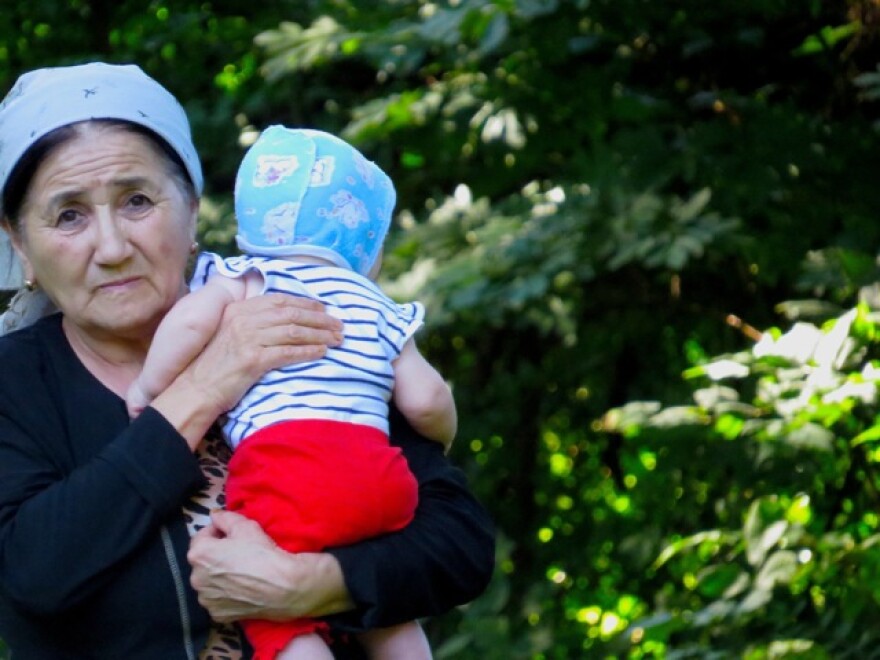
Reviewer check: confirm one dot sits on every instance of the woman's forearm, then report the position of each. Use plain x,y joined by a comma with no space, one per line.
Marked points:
62,534
189,408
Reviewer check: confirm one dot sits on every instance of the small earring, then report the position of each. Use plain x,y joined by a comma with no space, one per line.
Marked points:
194,247
30,285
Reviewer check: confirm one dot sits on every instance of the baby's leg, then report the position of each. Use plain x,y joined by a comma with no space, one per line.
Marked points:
306,647
404,642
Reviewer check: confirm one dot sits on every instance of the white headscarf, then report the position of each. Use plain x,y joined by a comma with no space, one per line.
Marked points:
46,99
11,276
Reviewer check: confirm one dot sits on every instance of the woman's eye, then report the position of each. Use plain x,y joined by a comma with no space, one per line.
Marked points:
68,217
139,201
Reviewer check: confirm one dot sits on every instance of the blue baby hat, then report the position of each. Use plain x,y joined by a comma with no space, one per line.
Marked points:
306,192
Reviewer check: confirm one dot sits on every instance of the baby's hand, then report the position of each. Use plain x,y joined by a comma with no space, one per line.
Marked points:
136,400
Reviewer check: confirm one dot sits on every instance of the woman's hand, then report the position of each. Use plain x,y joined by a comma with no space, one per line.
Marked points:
239,573
255,336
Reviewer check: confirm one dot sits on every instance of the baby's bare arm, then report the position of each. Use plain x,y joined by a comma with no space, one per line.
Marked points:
185,331
422,395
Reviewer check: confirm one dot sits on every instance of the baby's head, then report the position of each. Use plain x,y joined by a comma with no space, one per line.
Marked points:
302,192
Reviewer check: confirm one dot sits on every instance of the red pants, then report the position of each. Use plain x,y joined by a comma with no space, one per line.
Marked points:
312,484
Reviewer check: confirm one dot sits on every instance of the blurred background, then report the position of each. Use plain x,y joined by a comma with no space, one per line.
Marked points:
646,235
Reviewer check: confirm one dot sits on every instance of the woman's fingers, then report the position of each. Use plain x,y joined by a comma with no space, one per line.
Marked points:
239,572
282,329
285,311
276,330
229,524
254,337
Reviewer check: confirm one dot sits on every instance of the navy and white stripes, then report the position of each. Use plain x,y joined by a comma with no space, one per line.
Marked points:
351,383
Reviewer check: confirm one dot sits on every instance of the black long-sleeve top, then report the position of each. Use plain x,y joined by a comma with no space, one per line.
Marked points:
93,541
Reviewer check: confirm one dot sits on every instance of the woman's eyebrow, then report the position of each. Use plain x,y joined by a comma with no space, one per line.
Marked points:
63,196
133,182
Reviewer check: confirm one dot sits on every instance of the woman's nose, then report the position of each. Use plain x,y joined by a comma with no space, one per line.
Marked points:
112,244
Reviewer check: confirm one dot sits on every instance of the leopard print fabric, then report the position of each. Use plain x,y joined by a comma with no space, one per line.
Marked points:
224,640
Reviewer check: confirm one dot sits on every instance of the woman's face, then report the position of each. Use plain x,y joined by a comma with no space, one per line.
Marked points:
105,231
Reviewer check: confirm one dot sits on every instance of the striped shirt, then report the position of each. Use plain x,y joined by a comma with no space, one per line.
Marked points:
352,382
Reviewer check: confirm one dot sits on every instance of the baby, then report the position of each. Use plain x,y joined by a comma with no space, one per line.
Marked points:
312,462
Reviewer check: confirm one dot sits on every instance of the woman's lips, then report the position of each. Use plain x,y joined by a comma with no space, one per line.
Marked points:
116,285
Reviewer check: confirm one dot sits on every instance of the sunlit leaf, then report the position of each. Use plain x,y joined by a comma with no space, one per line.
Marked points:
778,569
714,581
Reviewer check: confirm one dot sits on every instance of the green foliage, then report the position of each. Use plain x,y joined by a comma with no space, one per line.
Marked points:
594,198
790,567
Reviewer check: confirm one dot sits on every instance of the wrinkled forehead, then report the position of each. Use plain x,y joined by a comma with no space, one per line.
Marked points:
102,156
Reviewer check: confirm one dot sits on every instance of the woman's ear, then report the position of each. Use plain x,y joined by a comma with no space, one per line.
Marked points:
194,218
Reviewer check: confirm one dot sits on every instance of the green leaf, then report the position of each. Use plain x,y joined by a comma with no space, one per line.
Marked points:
694,206
453,646
810,436
713,537
826,38
713,581
496,33
779,568
870,434
758,537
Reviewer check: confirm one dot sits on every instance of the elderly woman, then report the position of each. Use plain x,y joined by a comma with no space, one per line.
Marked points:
107,547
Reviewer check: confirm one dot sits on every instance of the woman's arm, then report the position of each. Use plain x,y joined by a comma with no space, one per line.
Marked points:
444,558
70,513
81,488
